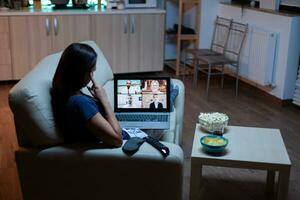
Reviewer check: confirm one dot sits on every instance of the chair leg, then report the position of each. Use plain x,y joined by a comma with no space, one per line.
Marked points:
208,80
222,78
237,80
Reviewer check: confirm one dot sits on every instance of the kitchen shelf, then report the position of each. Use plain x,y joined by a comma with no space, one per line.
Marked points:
179,37
188,70
190,1
182,37
185,1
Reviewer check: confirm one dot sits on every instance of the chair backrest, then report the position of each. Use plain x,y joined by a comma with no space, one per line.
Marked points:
30,100
236,38
220,34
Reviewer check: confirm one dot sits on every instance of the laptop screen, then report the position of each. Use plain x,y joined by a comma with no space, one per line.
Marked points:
142,94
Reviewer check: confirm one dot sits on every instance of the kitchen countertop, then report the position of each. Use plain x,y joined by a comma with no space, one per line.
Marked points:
49,10
275,12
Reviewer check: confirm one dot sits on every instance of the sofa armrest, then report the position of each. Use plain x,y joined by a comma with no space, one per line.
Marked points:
179,106
89,171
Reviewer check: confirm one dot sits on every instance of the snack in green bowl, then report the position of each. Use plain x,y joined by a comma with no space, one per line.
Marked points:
213,143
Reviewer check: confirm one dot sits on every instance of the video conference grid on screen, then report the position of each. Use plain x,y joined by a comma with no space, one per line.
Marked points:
141,94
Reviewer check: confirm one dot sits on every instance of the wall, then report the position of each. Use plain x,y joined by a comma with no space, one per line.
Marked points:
208,13
288,44
171,18
287,27
293,58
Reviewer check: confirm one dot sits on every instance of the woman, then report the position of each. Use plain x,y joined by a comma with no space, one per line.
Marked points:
82,118
154,85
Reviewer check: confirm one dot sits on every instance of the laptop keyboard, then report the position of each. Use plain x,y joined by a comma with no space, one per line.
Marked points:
141,118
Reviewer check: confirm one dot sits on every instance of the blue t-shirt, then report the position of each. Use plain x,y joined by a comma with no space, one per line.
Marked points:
80,109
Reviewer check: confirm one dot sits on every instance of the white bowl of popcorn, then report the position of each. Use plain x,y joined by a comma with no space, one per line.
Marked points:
214,122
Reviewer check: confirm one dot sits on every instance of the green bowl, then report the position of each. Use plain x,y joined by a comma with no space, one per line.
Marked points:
213,143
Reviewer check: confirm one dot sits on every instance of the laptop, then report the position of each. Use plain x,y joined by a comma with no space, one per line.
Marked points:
142,102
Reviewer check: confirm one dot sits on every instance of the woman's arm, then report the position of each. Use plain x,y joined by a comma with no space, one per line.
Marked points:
101,128
98,92
110,115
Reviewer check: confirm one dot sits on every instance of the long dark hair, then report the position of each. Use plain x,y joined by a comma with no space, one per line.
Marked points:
75,63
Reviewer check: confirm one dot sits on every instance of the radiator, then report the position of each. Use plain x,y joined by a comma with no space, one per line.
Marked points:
258,58
296,99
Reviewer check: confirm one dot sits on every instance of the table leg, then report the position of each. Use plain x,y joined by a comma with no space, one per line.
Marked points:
270,183
283,183
195,184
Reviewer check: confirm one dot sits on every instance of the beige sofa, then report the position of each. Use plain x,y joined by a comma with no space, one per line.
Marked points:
50,169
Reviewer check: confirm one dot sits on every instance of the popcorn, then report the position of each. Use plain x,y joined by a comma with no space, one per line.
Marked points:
213,122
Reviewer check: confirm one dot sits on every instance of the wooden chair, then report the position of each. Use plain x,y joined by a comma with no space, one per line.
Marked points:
218,43
231,56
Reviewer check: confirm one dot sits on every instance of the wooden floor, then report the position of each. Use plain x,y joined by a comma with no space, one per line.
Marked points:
9,183
250,108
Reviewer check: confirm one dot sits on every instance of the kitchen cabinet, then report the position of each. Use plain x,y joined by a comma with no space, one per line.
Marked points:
30,42
110,32
146,42
5,53
34,37
131,42
68,29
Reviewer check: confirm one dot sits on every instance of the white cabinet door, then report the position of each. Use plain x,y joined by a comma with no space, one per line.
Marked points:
146,46
131,43
30,42
34,37
5,53
111,33
68,29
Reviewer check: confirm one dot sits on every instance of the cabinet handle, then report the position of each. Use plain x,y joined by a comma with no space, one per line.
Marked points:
125,21
133,24
55,23
47,26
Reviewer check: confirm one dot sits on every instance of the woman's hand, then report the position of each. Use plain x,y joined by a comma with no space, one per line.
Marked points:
97,90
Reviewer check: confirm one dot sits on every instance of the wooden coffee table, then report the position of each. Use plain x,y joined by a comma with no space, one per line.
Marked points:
251,148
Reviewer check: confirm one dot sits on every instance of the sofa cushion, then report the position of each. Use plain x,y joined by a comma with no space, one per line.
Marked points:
30,100
103,71
169,134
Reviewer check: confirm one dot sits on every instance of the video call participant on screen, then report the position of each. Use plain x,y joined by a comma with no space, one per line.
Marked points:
130,103
156,104
155,87
128,84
